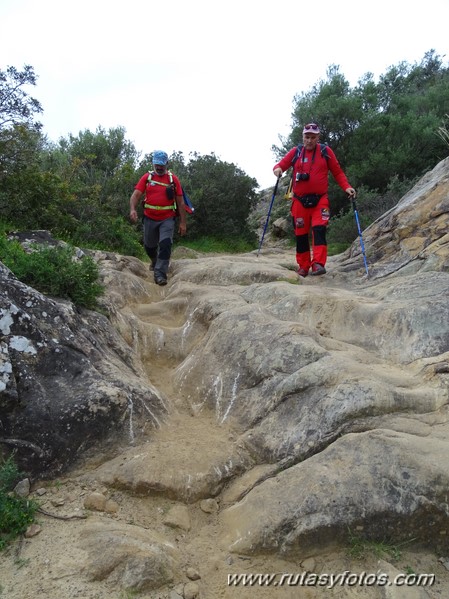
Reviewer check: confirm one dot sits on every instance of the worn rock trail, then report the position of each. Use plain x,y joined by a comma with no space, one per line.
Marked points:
195,440
173,485
239,421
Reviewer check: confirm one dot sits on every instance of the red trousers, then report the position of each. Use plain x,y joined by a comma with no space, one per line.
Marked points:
315,220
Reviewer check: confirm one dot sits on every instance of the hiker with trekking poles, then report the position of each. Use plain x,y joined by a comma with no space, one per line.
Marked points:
311,164
162,196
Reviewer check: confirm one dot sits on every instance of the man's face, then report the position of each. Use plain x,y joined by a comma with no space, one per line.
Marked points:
310,140
160,169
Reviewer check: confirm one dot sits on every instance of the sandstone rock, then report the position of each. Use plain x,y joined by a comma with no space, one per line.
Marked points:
32,531
308,564
192,574
58,502
128,556
111,506
191,590
178,517
394,591
209,506
412,234
374,483
445,562
22,489
299,374
95,501
67,380
281,227
205,460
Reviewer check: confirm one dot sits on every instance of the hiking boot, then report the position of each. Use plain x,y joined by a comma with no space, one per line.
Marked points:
151,267
160,280
318,269
302,272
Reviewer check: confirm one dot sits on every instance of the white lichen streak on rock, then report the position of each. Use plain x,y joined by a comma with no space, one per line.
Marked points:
233,396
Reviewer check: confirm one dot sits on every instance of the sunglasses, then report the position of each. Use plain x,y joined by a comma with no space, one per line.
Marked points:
311,127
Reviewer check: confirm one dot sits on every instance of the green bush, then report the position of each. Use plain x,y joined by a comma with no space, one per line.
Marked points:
108,233
16,513
214,245
333,249
343,229
53,271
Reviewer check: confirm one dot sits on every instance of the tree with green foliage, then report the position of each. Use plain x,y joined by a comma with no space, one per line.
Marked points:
28,196
19,131
385,134
99,169
379,130
102,164
16,106
223,196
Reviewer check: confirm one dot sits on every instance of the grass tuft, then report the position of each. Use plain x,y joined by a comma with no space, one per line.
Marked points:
360,547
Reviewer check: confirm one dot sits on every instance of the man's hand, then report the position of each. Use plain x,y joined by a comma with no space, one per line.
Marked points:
277,172
351,193
133,203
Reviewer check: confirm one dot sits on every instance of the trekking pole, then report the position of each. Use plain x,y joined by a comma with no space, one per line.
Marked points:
268,215
356,214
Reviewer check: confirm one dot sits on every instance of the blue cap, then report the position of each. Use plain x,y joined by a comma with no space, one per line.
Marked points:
160,157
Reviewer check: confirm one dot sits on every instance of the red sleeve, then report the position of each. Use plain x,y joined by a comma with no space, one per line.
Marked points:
141,185
286,162
336,170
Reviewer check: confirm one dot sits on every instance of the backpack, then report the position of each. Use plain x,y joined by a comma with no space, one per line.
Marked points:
187,202
289,193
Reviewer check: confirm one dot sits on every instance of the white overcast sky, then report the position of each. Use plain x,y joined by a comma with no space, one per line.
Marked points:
201,75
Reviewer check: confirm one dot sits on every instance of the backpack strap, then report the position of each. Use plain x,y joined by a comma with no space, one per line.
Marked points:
299,147
324,153
151,182
323,147
150,179
289,193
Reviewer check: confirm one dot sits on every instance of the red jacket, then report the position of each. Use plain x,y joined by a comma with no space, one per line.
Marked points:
318,169
156,195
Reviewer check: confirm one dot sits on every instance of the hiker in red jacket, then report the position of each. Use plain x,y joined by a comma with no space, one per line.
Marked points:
310,203
163,203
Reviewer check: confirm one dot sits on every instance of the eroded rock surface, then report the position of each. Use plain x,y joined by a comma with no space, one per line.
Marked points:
303,409
67,380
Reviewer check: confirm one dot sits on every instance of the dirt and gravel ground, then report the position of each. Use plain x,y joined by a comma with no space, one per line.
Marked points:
52,563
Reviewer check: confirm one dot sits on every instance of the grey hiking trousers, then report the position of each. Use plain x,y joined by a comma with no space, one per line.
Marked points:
158,240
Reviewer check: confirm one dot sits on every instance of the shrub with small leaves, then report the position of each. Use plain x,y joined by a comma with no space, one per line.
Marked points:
16,513
54,271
